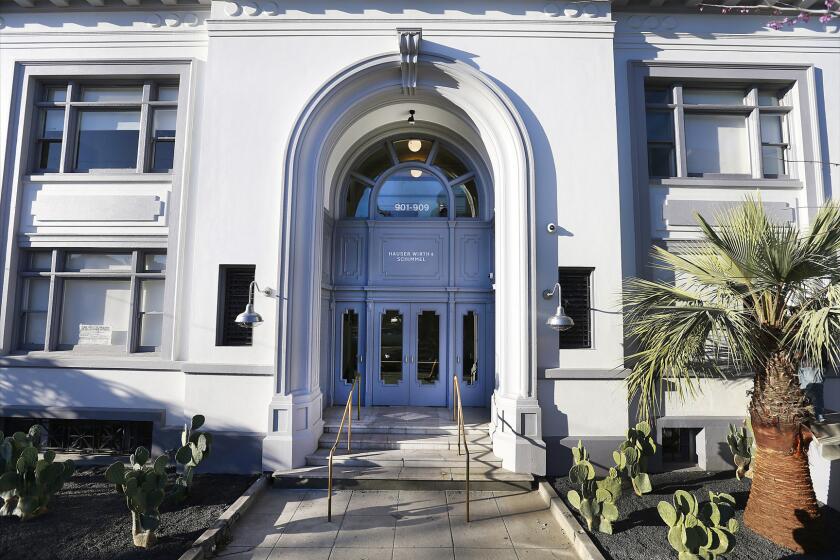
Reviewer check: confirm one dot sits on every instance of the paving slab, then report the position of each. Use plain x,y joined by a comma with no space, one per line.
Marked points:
399,525
362,554
309,533
485,554
232,552
300,554
428,531
479,533
367,531
373,502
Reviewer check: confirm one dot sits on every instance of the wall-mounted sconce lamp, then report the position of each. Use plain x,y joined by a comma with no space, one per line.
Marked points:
559,321
249,318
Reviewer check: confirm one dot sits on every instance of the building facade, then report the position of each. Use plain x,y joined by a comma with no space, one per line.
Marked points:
402,181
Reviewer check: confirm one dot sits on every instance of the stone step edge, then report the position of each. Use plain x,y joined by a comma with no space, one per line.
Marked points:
319,461
390,482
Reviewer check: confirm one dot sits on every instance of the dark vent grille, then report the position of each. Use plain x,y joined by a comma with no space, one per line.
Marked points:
576,284
233,297
86,436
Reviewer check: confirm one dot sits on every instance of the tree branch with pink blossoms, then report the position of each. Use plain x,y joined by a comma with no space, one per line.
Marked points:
792,13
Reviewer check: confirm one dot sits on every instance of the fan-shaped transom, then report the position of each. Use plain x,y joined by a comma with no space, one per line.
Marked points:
412,177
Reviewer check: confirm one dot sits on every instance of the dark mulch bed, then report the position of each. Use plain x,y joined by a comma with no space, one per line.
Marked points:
88,520
640,533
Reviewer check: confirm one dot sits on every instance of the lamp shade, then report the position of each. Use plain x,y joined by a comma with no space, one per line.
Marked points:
249,318
560,321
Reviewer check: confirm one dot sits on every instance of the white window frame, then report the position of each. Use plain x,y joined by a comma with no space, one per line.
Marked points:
26,82
749,109
806,174
57,275
73,107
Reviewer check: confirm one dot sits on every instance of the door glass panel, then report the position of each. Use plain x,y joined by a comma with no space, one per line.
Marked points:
391,348
428,347
349,345
469,373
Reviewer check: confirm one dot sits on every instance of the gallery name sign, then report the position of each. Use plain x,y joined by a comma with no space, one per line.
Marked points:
411,256
410,259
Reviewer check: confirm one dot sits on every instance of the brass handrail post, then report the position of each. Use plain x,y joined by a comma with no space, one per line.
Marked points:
346,415
458,413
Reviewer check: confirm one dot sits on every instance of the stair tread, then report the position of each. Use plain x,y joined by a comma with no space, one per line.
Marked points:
405,473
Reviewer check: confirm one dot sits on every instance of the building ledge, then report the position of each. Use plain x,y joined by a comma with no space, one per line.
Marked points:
591,374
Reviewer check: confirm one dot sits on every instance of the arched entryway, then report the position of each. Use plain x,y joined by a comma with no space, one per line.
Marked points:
411,278
367,99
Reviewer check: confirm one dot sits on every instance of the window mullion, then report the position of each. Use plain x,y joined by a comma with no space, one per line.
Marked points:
679,131
754,131
393,152
433,153
133,305
53,303
144,128
68,141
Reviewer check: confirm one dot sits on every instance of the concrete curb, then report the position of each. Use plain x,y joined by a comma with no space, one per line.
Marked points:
577,535
205,545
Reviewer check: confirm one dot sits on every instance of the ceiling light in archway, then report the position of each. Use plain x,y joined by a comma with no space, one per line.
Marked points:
415,145
416,173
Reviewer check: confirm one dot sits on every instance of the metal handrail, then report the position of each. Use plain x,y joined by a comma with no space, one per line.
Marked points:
348,414
458,415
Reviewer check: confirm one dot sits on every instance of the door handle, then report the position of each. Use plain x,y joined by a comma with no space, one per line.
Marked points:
458,360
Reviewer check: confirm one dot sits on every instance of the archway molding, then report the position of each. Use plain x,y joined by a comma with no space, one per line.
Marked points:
312,159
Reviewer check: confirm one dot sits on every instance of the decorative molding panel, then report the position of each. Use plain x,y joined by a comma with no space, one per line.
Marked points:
409,44
252,8
575,9
173,19
681,212
97,208
651,23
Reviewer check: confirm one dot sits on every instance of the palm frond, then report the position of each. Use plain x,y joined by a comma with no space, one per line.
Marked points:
814,330
680,332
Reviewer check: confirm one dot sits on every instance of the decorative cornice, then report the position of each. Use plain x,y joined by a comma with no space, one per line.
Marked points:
409,45
576,9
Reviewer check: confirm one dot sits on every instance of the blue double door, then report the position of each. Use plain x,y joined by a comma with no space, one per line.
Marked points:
407,353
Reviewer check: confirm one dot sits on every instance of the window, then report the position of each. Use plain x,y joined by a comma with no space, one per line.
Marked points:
91,301
696,131
576,292
87,127
234,284
411,177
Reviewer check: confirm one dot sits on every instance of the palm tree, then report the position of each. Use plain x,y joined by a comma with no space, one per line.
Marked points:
752,296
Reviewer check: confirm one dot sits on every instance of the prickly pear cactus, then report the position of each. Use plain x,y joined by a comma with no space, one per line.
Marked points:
742,445
195,447
700,531
143,486
632,455
27,483
595,499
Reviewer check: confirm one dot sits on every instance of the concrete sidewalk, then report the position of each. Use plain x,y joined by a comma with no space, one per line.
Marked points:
398,525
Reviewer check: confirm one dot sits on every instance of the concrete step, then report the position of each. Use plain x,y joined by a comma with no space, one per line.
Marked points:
404,459
406,478
478,443
452,430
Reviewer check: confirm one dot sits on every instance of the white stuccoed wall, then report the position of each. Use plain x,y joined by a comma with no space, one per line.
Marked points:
567,78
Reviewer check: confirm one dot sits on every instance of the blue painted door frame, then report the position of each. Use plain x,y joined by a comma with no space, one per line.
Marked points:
409,354
471,323
349,348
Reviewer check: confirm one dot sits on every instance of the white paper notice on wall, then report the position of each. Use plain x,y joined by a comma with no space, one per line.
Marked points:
99,335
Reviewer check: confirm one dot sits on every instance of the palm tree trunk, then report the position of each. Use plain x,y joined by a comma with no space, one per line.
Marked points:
782,506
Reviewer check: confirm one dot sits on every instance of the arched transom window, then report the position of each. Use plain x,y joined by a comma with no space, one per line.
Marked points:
411,177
